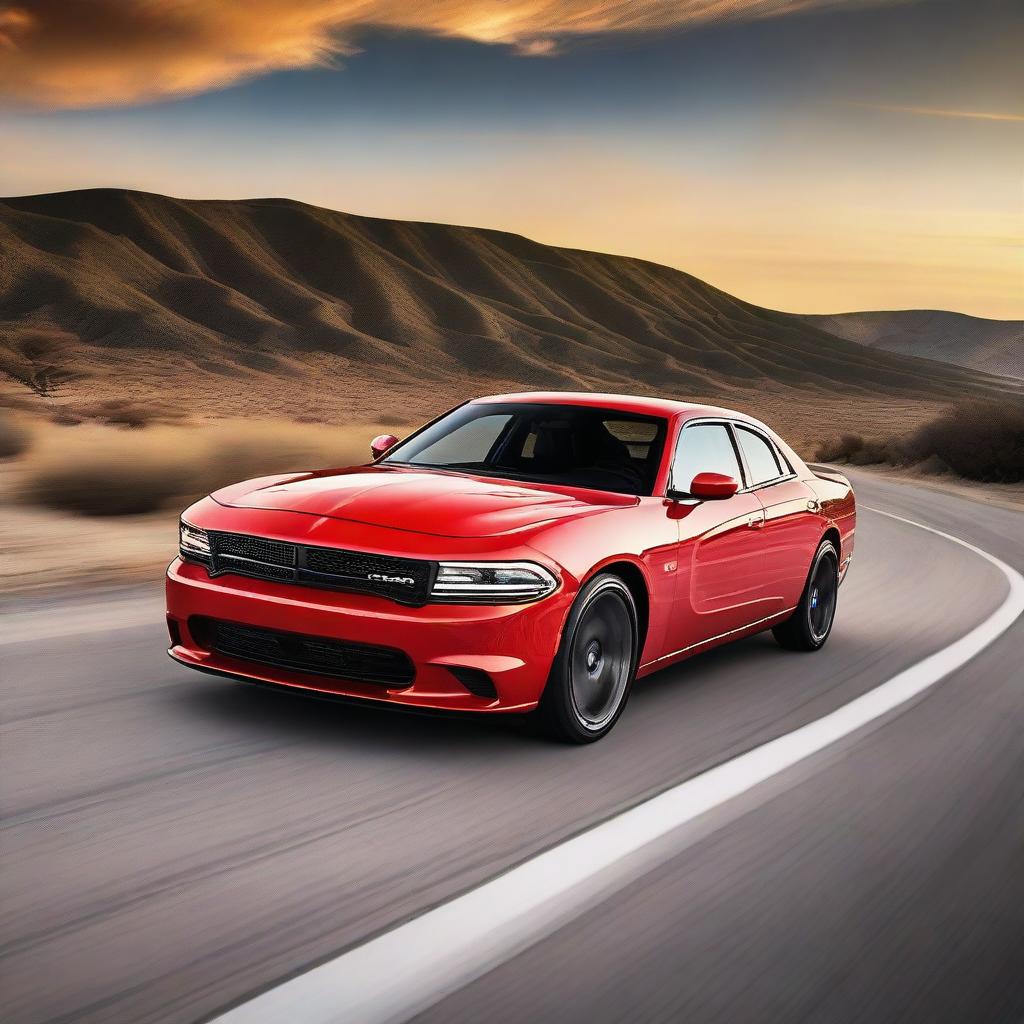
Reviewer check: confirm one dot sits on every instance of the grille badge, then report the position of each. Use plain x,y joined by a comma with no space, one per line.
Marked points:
382,578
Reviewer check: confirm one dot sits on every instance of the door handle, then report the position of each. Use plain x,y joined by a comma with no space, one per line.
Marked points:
755,522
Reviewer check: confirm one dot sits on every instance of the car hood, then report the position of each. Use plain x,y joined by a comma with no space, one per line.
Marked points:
421,501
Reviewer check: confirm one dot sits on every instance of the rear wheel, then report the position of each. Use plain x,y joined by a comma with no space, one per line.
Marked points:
809,626
594,668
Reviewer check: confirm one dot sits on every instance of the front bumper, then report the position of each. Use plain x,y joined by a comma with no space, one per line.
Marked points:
513,644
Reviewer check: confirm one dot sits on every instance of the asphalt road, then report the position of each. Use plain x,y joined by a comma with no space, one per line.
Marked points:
173,843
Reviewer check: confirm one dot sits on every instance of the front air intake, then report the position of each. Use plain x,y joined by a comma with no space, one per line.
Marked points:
317,655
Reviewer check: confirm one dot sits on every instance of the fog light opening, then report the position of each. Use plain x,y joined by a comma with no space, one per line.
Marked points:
174,631
476,680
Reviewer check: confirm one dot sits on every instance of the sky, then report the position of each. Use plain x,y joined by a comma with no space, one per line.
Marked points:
806,155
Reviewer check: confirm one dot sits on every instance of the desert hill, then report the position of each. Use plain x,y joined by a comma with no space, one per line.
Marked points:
994,346
273,307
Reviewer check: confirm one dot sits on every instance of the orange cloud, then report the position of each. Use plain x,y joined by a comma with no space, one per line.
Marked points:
977,115
80,53
14,22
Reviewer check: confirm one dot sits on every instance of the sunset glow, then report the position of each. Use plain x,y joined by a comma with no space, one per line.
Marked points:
814,157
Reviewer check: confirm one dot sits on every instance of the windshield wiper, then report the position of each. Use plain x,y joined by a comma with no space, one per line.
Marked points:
472,469
463,469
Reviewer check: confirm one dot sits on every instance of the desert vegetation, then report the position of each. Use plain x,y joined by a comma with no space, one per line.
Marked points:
119,412
122,464
855,450
977,440
14,438
99,470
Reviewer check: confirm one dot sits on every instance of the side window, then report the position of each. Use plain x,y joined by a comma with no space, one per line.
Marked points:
468,443
760,455
704,448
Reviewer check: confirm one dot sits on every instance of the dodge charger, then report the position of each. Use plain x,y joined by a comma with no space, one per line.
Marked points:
531,554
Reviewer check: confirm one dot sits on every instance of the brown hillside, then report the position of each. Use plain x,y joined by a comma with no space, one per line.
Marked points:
273,307
994,346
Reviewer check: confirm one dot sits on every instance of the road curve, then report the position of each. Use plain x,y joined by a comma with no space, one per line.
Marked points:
173,844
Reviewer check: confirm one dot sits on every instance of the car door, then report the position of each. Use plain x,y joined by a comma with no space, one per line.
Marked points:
719,576
792,525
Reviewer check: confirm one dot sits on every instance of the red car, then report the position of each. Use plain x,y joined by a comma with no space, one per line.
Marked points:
521,553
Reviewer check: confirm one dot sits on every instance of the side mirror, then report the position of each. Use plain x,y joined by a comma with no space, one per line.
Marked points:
381,444
713,486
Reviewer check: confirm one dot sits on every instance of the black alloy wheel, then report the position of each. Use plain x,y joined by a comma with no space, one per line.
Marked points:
809,626
595,665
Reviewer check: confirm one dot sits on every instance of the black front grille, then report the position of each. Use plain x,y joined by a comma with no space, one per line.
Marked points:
406,580
318,655
272,552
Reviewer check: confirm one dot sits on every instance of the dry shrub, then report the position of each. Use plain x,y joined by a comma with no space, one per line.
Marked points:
875,452
839,449
100,470
65,419
238,451
857,451
125,412
14,438
979,440
95,470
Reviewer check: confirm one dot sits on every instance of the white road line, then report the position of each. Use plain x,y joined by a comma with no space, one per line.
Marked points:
405,970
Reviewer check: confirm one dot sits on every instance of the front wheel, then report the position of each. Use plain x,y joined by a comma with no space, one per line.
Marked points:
808,627
594,668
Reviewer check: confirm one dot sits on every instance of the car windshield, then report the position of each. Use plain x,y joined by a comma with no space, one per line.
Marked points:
571,445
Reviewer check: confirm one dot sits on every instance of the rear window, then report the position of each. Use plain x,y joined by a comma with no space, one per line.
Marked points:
762,461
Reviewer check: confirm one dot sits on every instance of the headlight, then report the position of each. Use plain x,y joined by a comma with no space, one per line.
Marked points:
193,543
491,582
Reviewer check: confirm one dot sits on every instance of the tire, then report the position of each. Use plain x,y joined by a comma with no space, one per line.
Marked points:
809,626
595,665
